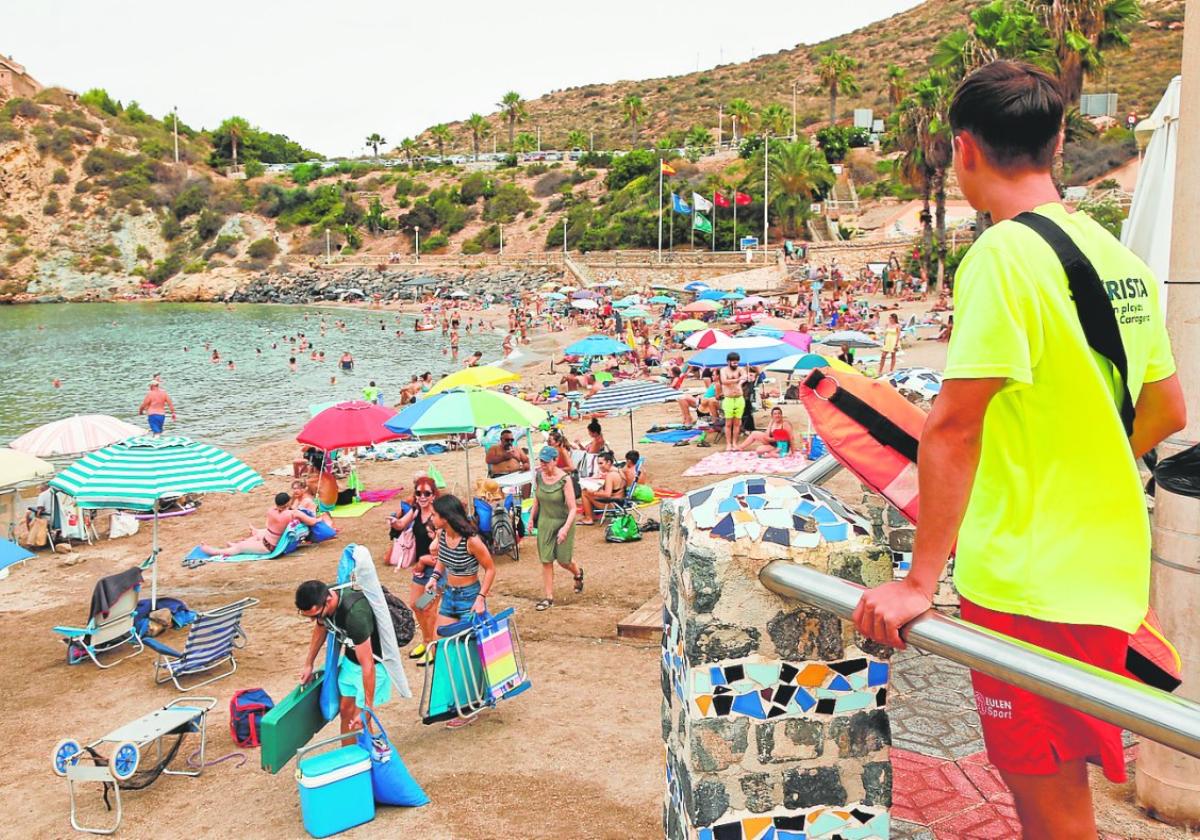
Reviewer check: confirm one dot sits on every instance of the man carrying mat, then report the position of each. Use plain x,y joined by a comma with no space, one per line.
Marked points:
348,615
1059,375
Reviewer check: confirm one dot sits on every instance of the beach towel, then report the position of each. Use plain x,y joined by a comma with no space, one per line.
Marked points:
379,495
735,463
352,511
672,436
288,543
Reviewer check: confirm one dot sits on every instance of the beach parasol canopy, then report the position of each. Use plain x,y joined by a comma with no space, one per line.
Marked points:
701,306
715,356
705,338
765,331
584,304
597,345
554,296
711,294
621,304
803,362
663,300
796,338
348,424
73,435
926,383
21,467
733,296
690,325
136,474
851,338
11,553
747,302
483,376
695,286
637,312
585,293
627,396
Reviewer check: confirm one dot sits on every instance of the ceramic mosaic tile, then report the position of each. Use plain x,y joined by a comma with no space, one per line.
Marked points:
768,690
820,823
774,509
672,653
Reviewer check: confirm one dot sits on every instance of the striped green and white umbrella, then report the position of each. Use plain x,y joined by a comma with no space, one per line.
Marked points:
136,474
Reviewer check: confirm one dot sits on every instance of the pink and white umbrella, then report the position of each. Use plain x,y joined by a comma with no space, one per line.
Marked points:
750,302
706,338
76,435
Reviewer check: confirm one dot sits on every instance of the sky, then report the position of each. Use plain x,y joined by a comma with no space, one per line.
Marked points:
329,73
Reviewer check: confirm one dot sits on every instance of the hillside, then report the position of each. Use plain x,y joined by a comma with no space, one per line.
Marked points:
676,103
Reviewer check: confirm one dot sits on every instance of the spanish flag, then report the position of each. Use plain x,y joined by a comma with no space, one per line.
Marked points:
666,168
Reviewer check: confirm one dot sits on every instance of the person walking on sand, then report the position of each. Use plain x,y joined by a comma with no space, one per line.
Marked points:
891,343
733,401
1045,514
154,407
553,513
420,519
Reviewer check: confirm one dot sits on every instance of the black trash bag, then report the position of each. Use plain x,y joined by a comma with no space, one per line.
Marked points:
1180,474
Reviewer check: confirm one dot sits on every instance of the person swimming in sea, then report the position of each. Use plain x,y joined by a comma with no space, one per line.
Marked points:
292,364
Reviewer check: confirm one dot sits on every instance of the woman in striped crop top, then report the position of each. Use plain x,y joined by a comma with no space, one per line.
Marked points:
461,555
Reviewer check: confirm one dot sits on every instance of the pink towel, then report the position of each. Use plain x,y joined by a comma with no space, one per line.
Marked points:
379,495
735,463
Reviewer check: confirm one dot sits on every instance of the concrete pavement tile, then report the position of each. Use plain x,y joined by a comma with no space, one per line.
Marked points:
928,789
945,735
904,830
989,821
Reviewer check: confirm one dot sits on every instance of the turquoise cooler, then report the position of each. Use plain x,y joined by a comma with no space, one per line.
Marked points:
335,788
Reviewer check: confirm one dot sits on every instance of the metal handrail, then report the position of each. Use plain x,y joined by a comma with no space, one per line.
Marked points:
1169,720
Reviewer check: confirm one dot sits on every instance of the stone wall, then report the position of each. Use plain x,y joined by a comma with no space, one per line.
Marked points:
773,713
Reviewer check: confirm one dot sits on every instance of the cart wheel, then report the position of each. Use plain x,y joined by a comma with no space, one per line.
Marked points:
64,755
124,760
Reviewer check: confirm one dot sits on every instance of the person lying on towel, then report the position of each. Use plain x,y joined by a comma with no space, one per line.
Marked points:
263,540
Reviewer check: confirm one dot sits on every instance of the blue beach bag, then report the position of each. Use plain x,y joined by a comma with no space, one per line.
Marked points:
390,780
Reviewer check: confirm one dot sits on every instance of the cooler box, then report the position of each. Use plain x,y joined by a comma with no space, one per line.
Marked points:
335,789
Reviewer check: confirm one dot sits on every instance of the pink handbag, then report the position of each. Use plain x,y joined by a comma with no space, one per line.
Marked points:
404,550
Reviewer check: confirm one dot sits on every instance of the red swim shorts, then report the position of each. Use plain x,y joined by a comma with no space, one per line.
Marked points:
1028,734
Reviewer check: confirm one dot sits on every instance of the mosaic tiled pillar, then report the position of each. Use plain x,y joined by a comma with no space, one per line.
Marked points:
773,713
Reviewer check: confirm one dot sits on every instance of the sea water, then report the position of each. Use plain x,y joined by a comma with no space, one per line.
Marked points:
104,356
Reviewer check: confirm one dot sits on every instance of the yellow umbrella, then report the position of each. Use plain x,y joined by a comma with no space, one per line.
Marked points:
690,325
479,377
18,467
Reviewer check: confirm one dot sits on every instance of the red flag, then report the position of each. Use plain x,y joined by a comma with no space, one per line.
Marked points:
742,199
720,200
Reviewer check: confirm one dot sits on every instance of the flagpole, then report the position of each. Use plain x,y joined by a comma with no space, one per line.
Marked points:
694,212
671,243
735,204
766,178
660,190
714,221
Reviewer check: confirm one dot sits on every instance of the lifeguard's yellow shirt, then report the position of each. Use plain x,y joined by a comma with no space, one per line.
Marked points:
1056,526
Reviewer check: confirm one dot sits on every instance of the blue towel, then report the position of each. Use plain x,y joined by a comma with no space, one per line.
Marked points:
288,543
673,436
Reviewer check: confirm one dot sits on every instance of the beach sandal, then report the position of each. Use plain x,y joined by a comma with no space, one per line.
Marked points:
585,522
417,652
579,581
703,444
680,443
460,723
545,604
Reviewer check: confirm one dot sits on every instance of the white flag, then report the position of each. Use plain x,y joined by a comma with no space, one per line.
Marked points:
700,203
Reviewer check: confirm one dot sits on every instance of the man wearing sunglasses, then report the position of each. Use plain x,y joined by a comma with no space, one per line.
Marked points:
349,616
505,458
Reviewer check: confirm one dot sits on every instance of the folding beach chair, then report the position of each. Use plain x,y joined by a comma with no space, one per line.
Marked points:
105,633
614,506
211,642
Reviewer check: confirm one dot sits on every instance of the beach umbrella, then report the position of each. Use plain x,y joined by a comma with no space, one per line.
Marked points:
11,553
715,356
926,383
701,306
463,410
695,286
21,467
554,296
584,304
637,312
564,288
584,293
348,424
459,293
753,342
705,338
663,300
621,304
796,339
626,396
483,376
747,302
690,325
73,435
520,358
765,331
851,338
711,294
732,296
802,362
597,345
137,474
632,300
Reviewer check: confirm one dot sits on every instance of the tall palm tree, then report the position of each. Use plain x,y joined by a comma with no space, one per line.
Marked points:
375,140
912,167
799,173
441,135
480,128
514,111
835,74
409,148
896,84
775,120
998,30
932,95
577,139
743,116
1082,30
698,136
524,142
633,111
236,128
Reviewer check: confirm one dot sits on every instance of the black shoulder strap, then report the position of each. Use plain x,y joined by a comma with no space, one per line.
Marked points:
1091,303
883,430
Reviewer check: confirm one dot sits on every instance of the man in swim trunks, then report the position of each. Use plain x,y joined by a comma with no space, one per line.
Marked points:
504,458
347,361
153,407
349,616
733,402
1026,469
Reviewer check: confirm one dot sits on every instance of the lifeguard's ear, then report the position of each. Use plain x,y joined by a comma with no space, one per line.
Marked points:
1058,143
966,150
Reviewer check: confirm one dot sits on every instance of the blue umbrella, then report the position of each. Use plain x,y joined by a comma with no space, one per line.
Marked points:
695,286
11,553
766,332
622,304
716,356
666,300
732,296
711,294
598,345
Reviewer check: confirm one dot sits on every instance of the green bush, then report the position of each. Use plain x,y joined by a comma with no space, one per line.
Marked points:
166,268
262,249
60,176
306,173
509,201
637,164
600,160
170,228
192,199
21,107
98,98
77,204
255,168
195,266
475,186
142,254
834,141
471,248
533,170
224,244
436,242
487,239
207,224
9,132
52,205
550,183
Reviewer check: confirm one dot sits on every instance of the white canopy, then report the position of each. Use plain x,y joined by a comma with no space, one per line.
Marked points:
1147,231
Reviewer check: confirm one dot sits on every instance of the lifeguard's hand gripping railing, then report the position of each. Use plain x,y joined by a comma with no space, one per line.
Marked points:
1153,714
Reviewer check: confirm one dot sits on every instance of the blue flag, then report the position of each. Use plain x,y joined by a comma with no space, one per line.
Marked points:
679,205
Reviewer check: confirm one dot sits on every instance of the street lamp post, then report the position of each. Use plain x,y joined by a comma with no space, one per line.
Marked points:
328,257
766,187
564,235
539,138
175,129
418,246
795,84
501,228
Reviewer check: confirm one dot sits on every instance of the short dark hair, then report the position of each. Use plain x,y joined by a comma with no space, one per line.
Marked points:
282,498
311,593
633,456
733,356
1013,110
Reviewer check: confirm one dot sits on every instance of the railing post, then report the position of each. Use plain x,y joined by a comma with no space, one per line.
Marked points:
773,713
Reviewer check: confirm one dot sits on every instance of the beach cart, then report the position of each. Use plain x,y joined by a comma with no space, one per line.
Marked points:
477,663
127,745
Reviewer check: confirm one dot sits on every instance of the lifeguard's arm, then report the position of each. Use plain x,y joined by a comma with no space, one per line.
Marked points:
1161,411
946,464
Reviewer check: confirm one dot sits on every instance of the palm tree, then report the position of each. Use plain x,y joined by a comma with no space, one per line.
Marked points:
409,148
236,128
896,84
577,140
698,136
911,166
799,174
775,120
514,111
524,142
375,140
480,128
743,116
835,74
1081,31
998,30
633,111
441,135
932,95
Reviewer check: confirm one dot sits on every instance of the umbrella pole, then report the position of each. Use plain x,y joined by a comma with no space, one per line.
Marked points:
154,561
467,456
632,442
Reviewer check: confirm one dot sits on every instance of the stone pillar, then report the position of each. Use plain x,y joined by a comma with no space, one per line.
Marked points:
773,713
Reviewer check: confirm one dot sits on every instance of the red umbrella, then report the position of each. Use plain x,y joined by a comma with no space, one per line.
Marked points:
348,424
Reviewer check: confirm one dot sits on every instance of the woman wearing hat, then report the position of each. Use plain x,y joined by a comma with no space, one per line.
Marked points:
553,513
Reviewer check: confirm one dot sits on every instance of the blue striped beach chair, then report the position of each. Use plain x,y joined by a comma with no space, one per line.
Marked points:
104,634
211,642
